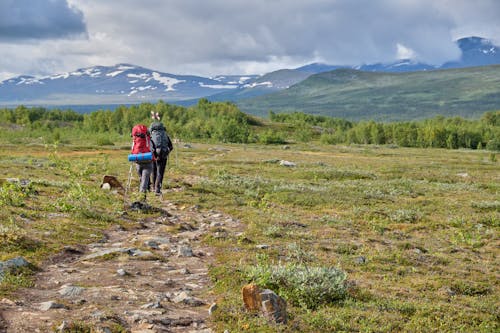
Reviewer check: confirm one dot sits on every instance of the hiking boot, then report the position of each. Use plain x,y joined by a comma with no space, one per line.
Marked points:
158,193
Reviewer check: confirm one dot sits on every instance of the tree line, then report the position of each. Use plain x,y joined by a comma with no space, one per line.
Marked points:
224,122
437,132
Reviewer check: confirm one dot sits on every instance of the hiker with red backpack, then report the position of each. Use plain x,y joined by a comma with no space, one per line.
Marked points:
142,153
163,146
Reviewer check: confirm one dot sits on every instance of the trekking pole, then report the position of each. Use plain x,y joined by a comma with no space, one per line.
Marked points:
176,151
128,185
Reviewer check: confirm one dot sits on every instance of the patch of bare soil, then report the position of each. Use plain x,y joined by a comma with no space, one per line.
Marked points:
153,278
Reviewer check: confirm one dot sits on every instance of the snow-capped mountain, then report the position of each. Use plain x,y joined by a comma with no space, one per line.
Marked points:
476,51
123,83
261,85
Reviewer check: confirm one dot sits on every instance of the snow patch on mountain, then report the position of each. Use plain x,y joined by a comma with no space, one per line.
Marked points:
218,86
268,84
28,80
143,76
124,67
115,73
59,76
169,82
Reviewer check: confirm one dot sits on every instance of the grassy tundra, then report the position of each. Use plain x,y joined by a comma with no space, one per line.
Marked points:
415,230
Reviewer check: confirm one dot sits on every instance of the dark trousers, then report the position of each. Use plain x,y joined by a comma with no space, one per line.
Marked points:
158,172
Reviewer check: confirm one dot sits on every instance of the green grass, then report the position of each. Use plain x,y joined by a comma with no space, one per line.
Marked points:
427,234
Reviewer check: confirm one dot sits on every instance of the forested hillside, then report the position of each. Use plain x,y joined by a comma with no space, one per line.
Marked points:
357,95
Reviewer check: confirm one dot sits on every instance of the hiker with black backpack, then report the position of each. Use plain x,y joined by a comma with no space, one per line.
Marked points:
163,147
142,153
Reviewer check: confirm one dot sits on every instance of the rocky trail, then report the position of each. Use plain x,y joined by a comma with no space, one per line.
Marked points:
152,277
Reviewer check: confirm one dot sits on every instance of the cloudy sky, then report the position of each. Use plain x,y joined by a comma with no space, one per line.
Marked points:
210,37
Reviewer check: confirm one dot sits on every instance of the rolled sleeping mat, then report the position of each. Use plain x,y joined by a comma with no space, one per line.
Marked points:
140,157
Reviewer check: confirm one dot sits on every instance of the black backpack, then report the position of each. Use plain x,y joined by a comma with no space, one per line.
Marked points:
161,140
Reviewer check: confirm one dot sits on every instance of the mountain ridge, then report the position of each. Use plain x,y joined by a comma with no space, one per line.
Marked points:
360,95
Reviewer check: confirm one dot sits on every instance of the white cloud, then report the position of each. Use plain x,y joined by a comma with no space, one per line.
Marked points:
254,37
404,52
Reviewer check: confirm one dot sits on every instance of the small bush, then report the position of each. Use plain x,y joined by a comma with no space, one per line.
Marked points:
487,205
493,145
274,231
304,286
471,288
13,194
405,216
271,137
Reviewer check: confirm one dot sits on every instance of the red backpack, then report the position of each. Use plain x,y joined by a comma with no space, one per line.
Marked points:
142,140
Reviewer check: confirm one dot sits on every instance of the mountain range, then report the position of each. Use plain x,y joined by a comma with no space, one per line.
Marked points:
130,84
122,83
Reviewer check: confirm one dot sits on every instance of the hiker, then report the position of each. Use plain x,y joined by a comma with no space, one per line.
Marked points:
142,150
163,147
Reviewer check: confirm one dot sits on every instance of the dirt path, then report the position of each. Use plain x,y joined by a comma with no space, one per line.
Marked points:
145,279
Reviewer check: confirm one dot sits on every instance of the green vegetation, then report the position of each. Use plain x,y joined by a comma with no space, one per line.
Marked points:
209,121
360,238
357,95
437,132
223,122
415,230
309,287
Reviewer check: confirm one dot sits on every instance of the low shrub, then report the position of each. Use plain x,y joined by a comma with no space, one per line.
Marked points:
304,286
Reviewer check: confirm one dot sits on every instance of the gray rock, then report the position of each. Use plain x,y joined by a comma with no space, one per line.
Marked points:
360,260
98,315
273,306
152,244
287,164
8,265
180,297
153,305
121,272
71,291
262,246
45,306
161,240
104,252
193,301
212,308
185,251
140,253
